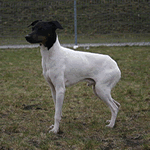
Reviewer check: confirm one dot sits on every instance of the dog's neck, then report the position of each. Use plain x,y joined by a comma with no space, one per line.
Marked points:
52,50
50,40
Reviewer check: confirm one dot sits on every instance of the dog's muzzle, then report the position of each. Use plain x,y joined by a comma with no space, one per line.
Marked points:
30,39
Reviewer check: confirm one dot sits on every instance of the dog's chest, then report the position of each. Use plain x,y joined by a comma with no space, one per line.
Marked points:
51,63
48,64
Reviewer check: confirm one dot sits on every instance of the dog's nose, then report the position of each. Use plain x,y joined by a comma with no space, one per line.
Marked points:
27,36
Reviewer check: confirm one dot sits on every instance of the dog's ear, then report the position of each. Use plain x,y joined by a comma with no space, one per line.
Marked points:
34,22
56,24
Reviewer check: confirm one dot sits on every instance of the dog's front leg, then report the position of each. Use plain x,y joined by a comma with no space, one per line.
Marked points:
60,92
53,92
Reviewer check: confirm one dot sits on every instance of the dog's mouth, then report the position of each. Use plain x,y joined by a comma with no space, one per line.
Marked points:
31,41
35,39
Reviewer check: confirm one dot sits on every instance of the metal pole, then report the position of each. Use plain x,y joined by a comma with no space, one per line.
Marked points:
75,24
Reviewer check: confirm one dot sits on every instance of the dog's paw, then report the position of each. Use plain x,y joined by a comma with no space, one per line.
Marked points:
110,125
51,126
108,121
54,129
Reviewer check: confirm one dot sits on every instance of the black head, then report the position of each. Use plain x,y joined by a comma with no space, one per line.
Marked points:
43,32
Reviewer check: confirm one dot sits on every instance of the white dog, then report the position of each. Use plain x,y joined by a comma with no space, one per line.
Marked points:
63,67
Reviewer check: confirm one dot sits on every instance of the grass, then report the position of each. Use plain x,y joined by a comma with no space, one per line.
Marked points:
97,21
27,109
97,38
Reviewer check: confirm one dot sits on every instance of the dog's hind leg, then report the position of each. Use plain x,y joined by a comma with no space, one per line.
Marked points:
118,104
104,93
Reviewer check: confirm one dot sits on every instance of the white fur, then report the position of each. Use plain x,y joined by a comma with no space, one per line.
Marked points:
63,67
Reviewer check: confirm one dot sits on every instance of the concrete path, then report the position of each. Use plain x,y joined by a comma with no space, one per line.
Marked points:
87,45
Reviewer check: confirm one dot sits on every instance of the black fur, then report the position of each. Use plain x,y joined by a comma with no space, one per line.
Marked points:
43,32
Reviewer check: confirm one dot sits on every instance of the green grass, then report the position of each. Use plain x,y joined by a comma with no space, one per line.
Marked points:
27,108
98,21
97,38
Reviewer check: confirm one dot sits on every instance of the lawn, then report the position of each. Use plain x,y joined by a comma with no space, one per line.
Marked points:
27,108
82,38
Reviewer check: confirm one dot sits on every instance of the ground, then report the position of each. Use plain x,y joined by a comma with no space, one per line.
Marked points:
27,108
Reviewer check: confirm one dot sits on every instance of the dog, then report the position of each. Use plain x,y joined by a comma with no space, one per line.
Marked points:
63,67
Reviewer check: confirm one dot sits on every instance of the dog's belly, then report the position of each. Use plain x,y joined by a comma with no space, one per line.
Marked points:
90,81
79,73
71,81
